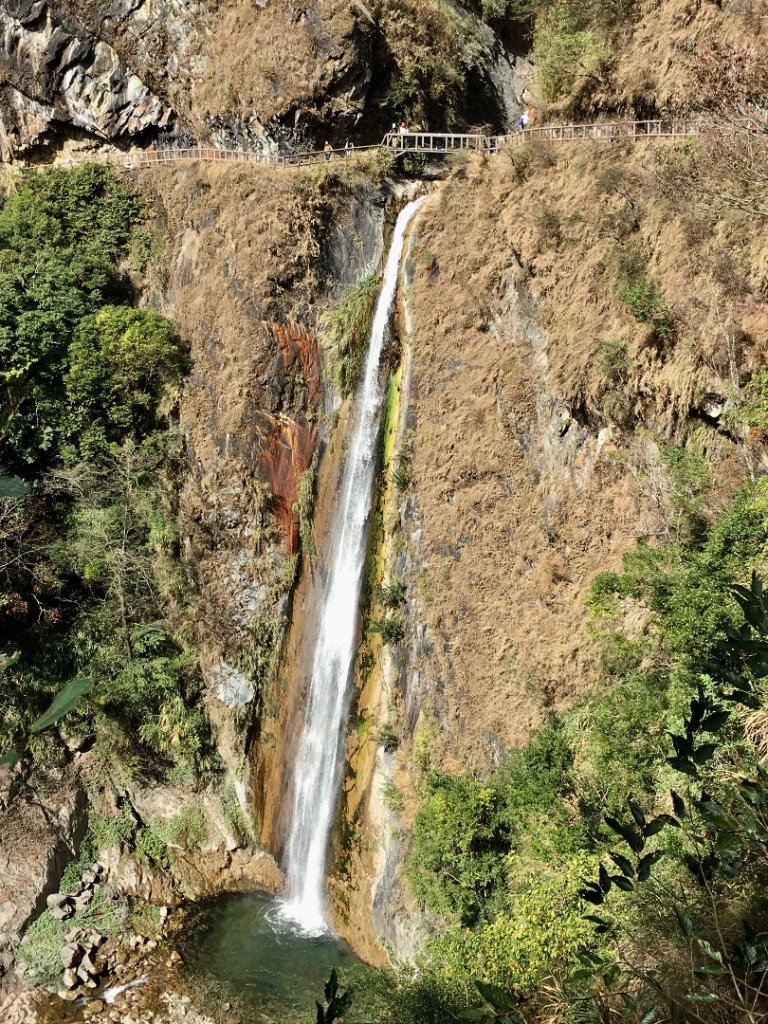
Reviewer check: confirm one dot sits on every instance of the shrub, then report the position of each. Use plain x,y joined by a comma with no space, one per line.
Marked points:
460,838
61,236
539,933
392,594
347,328
565,47
304,508
401,473
391,629
121,363
388,737
645,302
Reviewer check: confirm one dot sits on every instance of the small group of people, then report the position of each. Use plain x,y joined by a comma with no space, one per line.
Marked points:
349,150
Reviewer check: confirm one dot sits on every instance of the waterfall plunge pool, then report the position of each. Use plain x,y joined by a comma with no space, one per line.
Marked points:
239,942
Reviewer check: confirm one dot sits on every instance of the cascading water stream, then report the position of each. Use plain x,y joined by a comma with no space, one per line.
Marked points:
318,765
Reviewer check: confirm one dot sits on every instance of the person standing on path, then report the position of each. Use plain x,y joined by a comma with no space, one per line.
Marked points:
328,150
349,148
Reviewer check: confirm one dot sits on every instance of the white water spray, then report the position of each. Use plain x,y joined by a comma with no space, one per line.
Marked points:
318,765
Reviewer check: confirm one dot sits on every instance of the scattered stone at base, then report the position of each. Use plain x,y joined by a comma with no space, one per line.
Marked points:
69,954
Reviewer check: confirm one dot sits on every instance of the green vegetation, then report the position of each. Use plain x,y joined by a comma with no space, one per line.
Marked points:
61,236
92,585
644,300
390,628
305,510
39,954
159,838
401,473
566,47
346,329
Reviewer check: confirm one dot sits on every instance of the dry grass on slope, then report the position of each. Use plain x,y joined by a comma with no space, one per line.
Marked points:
657,63
259,62
535,459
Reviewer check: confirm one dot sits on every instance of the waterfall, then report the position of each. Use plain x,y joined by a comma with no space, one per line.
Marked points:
318,766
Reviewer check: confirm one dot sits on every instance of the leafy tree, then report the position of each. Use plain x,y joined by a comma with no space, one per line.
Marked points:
459,840
122,361
61,236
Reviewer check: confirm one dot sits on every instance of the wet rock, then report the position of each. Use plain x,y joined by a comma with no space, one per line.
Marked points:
68,995
95,1006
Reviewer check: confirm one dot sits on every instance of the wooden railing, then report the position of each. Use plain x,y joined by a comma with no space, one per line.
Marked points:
605,131
636,131
209,154
437,143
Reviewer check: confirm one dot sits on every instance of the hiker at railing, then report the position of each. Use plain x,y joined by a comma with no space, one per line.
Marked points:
328,150
349,148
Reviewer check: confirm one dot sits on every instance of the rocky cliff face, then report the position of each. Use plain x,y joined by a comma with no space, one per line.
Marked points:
233,72
251,262
57,73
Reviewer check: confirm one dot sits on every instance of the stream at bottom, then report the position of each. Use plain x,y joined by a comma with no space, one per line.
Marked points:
239,942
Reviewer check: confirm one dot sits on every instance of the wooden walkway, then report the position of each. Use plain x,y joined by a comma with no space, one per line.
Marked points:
434,143
600,131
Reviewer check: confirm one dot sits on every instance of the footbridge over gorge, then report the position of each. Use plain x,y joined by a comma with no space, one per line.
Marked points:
428,143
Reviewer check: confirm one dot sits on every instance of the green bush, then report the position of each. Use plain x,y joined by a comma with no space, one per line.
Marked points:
646,303
538,934
61,236
122,362
346,329
566,47
304,508
460,838
392,594
391,628
97,595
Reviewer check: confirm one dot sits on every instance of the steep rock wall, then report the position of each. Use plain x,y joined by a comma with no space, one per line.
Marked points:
252,258
236,73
